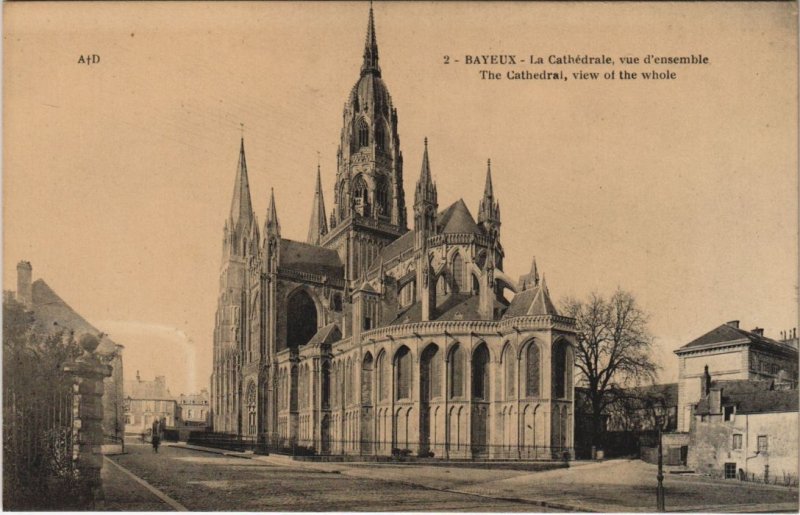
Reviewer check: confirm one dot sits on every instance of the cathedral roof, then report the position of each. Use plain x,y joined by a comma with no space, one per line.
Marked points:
328,334
457,306
312,259
52,314
457,219
533,301
397,247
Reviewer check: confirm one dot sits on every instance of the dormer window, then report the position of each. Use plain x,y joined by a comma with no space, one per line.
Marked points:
728,412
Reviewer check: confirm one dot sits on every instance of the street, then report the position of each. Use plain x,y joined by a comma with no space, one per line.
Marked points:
200,481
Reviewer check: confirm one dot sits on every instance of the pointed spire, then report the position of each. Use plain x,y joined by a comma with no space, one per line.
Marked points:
272,224
487,189
531,280
241,207
535,272
426,189
370,64
318,226
489,208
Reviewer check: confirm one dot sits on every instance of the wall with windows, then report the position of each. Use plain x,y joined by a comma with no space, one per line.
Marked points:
460,395
755,443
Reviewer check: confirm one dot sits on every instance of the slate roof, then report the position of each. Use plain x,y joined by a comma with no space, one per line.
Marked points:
751,397
52,313
533,301
328,334
457,306
151,390
457,219
726,333
312,259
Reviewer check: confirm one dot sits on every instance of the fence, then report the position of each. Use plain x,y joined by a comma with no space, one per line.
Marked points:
782,479
38,470
274,443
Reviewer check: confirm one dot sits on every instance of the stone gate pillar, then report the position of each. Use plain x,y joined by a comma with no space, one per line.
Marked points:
87,373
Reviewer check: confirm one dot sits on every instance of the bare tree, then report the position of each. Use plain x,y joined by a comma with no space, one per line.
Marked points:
614,349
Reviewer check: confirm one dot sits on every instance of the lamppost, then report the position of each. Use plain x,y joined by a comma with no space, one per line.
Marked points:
660,476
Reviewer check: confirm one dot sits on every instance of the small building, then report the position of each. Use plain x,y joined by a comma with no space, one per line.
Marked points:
52,314
194,408
146,402
745,429
732,354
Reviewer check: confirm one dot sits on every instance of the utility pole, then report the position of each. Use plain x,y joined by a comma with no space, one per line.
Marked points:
660,476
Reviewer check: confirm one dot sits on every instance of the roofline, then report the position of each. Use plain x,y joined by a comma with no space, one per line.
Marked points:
729,343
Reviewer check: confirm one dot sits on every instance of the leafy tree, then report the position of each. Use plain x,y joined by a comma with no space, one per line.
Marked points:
614,349
33,377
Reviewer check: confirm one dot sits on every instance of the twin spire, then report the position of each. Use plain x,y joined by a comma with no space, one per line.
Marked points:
318,227
241,207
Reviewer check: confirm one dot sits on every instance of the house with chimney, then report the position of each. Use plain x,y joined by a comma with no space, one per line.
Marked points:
147,402
53,314
745,429
731,353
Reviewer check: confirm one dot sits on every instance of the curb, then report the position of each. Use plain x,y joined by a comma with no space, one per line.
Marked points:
212,450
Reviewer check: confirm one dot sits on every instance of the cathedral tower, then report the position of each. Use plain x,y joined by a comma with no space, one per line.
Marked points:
369,202
229,329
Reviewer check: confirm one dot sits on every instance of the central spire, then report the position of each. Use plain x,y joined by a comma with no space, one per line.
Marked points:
370,64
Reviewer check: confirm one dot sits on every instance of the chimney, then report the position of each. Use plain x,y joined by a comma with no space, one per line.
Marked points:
705,383
24,293
758,330
715,401
733,323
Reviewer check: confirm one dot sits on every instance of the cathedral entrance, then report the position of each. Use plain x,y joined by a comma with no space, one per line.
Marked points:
479,434
301,319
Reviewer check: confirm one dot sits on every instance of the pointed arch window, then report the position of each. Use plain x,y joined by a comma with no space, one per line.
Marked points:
380,136
532,370
361,196
561,370
457,372
458,273
363,133
382,199
480,373
509,367
403,373
383,377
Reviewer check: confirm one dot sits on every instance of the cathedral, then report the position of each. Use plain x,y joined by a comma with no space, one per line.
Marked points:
373,338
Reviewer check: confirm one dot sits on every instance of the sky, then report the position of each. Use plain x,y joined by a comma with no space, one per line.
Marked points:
118,176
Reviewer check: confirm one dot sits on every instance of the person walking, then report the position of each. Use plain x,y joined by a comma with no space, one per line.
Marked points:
156,438
156,442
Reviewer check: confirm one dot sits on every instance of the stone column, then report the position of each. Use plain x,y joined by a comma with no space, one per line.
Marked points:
87,373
